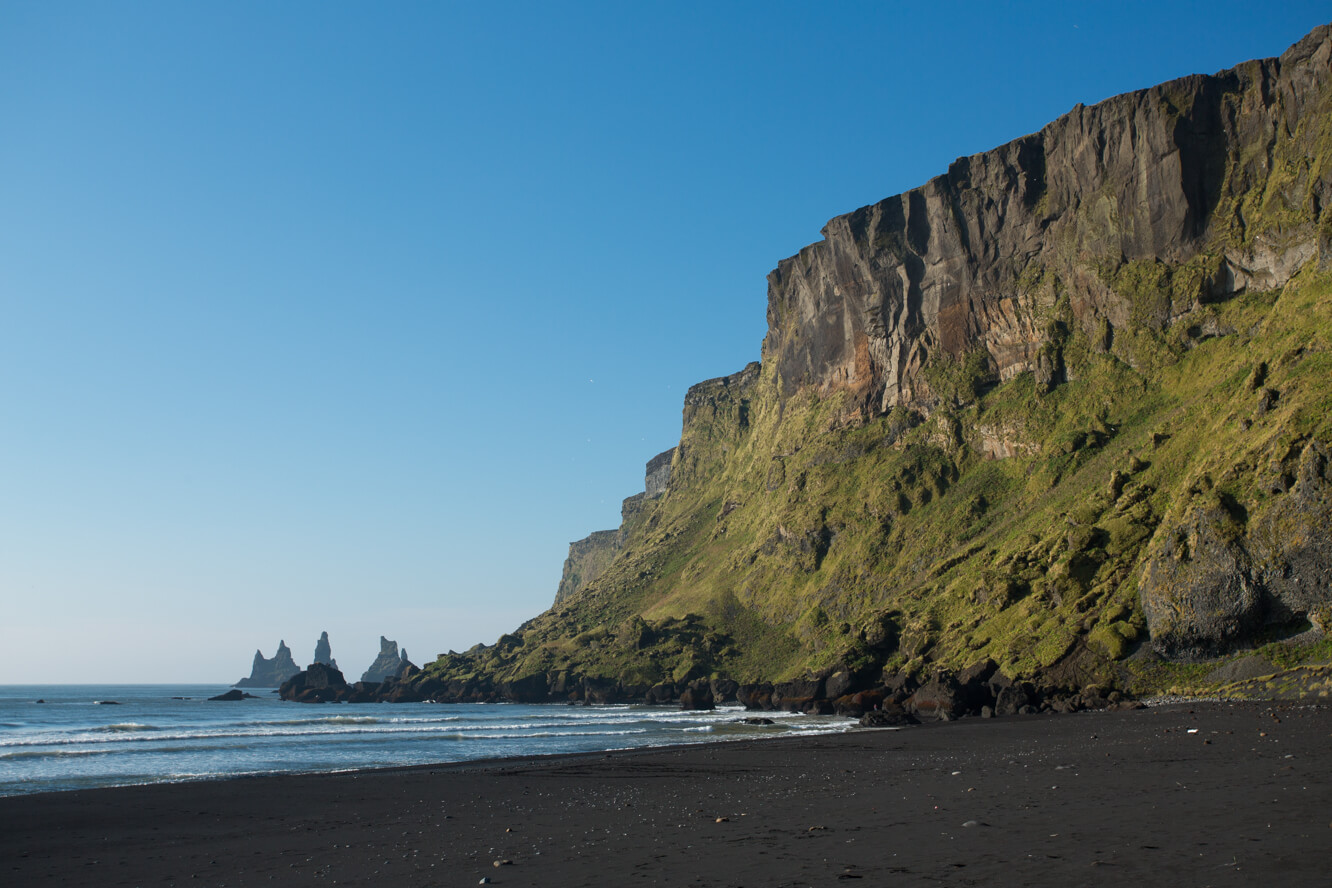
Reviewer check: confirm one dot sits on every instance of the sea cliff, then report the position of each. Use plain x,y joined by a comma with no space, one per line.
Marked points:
1057,420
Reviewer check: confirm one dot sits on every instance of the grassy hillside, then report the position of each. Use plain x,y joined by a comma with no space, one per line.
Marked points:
1157,483
792,542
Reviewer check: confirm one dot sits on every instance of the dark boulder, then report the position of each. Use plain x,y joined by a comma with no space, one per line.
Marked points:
1013,699
234,695
698,695
755,696
787,694
724,689
662,693
838,684
856,705
939,698
891,716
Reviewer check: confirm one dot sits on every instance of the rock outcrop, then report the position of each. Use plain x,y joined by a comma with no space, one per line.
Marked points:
389,663
323,652
272,673
318,683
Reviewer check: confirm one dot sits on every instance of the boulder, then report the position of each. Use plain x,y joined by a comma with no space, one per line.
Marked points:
1012,699
724,689
234,695
891,716
755,696
698,695
940,698
838,684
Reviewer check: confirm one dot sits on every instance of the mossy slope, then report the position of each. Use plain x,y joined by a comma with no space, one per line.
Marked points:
1170,406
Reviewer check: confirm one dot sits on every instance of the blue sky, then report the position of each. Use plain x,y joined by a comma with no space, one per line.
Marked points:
350,317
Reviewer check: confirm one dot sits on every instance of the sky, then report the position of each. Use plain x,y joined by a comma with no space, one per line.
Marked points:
350,317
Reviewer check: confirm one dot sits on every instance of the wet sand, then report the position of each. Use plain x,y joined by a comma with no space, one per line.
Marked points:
1189,795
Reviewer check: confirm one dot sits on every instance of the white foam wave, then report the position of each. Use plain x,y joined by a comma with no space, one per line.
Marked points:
126,728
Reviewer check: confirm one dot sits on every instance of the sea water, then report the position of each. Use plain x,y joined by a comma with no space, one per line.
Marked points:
112,735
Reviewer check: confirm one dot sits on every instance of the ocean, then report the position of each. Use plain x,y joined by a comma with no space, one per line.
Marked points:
113,735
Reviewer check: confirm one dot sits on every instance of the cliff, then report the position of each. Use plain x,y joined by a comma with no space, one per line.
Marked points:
590,556
1062,410
265,673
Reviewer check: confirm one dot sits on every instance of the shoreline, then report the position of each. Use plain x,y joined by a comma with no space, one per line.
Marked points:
1206,793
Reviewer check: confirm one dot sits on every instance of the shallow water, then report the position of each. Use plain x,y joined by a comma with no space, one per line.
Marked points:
155,733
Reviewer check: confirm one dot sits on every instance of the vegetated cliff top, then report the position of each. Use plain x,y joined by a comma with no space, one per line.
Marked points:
1064,406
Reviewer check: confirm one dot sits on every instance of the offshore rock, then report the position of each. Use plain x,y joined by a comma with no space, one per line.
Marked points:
389,663
233,695
323,652
319,683
272,673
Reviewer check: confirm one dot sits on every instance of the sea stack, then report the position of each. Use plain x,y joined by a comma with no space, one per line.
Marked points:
389,663
324,651
266,673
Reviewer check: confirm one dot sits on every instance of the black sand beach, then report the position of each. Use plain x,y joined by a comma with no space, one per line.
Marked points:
1184,795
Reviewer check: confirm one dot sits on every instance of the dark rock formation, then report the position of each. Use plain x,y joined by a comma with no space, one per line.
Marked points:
389,663
319,683
323,652
698,695
272,673
233,695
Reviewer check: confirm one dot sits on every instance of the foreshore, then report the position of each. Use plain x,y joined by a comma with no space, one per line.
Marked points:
1182,795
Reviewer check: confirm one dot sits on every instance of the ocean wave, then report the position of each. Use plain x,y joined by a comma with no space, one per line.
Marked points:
541,734
47,753
481,731
126,728
327,720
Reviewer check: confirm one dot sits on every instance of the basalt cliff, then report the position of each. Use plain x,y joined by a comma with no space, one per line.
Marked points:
1059,419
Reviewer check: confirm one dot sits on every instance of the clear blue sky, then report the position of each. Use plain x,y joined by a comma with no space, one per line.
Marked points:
352,316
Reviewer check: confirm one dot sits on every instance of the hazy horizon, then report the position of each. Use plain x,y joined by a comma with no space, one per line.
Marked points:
351,319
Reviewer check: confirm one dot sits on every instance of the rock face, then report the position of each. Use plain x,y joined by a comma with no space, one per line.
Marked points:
272,673
590,556
323,652
1217,576
658,475
1142,177
389,663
